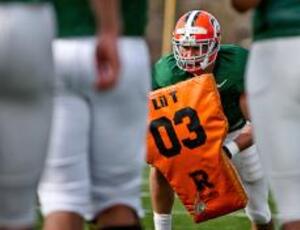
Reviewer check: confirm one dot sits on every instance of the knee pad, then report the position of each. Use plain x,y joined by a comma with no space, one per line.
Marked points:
258,209
259,217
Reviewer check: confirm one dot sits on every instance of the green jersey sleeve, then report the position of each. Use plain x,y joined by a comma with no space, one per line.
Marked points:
229,73
239,64
231,65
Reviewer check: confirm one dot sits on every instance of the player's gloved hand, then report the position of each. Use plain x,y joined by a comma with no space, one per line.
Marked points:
251,165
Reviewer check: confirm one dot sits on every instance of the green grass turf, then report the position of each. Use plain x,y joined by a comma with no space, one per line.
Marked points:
183,221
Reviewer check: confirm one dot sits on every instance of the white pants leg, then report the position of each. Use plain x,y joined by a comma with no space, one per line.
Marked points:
65,185
257,190
106,138
26,81
119,131
273,82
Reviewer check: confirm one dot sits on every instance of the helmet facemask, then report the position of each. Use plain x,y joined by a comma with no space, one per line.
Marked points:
192,56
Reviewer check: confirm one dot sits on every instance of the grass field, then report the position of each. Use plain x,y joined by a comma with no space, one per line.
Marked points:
183,221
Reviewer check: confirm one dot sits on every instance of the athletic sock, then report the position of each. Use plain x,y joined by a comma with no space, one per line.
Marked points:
162,221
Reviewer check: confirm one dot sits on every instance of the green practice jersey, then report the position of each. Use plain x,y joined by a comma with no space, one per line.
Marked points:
75,17
229,75
25,1
277,18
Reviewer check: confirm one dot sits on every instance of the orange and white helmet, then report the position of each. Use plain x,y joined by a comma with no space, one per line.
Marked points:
196,40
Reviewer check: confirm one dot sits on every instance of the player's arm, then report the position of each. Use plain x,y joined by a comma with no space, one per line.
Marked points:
244,106
245,138
244,5
106,15
242,141
108,26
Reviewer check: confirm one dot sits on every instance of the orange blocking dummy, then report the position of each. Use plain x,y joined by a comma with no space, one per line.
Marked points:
187,128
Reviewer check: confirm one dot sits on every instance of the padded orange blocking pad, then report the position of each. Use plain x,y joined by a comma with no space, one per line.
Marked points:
187,127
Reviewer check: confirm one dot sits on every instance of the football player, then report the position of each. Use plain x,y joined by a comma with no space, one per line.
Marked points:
273,85
197,50
96,148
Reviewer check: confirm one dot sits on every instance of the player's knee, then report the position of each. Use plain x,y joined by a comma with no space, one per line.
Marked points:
132,227
259,217
118,216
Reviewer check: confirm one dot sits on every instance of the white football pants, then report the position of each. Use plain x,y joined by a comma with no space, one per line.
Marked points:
26,81
98,139
257,189
273,83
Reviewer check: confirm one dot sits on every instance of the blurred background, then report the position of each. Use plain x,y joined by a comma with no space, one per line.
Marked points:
235,27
